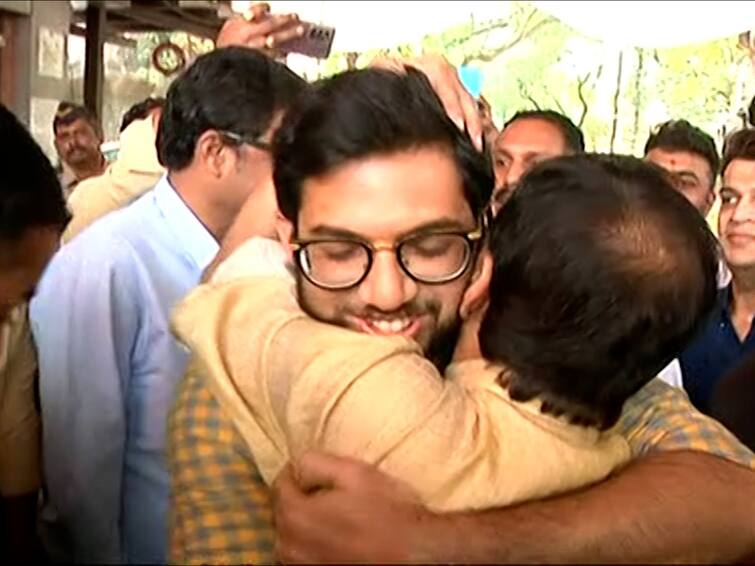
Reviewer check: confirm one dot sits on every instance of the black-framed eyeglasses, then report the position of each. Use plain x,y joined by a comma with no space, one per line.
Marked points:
239,139
432,258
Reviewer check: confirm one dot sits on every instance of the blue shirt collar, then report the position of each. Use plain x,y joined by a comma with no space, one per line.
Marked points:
189,231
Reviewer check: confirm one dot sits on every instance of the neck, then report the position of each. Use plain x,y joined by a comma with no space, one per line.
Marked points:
193,191
743,285
88,170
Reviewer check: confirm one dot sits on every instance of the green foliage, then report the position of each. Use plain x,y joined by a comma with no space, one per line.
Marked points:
531,60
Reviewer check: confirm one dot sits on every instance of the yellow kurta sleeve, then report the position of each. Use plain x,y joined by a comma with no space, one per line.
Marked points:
292,384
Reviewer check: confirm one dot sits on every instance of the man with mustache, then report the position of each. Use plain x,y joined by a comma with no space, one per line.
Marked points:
528,138
78,137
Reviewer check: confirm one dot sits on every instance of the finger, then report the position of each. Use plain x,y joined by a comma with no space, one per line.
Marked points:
286,488
387,63
322,471
254,40
274,23
449,97
280,38
446,84
257,11
472,117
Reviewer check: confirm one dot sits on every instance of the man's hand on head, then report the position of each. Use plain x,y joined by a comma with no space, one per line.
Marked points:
331,509
257,28
458,102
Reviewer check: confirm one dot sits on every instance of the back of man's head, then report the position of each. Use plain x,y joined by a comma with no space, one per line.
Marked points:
602,273
30,193
574,139
358,114
230,89
141,110
680,135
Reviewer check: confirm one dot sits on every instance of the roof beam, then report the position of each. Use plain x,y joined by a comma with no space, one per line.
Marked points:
170,22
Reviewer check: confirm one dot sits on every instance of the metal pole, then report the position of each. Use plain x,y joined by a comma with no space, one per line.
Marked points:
94,69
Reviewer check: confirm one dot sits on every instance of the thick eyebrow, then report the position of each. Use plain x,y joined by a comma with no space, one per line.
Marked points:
450,224
526,156
731,190
685,173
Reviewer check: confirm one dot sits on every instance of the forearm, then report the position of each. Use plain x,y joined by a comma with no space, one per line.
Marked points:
672,507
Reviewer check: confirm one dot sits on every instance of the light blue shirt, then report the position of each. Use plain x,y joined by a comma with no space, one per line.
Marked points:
108,370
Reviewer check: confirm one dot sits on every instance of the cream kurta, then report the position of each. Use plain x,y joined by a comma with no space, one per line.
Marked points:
291,383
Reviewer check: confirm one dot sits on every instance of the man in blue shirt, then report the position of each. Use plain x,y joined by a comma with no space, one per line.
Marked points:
728,336
108,362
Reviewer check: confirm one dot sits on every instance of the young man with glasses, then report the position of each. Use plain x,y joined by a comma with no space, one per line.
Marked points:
472,440
108,363
376,175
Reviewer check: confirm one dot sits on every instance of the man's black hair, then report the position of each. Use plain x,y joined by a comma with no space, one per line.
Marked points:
234,89
369,112
30,193
680,135
141,110
602,274
574,139
740,145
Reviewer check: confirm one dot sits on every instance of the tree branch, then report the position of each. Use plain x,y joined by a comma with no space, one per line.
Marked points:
559,107
494,25
581,82
526,94
488,55
616,95
638,93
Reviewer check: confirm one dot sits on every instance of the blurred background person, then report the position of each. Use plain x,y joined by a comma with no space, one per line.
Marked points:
528,138
32,216
691,158
135,171
78,137
727,338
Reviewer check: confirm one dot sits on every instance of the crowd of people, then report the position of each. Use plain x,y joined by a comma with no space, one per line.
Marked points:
352,321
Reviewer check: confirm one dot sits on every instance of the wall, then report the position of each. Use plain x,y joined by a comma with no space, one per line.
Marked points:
37,80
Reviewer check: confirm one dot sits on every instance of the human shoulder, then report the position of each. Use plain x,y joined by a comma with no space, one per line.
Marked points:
660,418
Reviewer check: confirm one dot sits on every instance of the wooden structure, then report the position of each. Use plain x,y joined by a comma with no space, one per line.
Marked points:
99,20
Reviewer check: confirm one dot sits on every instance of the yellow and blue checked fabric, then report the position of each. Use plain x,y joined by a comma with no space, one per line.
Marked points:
661,418
220,507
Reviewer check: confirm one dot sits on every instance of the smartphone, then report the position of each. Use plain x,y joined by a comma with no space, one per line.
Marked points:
317,41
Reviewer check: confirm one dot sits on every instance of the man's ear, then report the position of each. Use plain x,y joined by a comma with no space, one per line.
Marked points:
212,153
710,199
476,295
285,230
